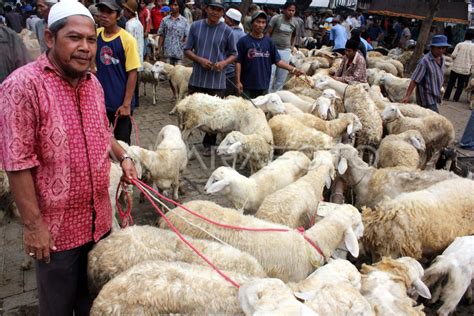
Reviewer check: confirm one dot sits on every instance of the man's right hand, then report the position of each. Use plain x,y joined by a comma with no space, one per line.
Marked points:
405,99
37,241
206,64
240,87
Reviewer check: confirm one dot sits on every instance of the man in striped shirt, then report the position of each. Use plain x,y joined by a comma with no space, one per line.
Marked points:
211,47
429,75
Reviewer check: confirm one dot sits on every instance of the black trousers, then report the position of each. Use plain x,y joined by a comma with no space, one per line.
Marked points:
62,283
123,130
461,82
252,94
230,85
209,139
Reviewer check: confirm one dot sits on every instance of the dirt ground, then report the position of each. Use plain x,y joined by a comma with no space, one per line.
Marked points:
18,288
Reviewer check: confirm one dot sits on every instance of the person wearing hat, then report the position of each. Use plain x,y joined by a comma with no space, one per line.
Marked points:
173,33
353,67
187,13
211,47
59,171
117,63
428,76
248,17
283,30
232,19
256,55
165,11
43,7
461,68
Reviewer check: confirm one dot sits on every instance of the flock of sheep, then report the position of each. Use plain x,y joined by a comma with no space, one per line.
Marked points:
297,141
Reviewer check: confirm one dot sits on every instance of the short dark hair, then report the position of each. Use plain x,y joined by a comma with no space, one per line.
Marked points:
289,4
56,26
352,44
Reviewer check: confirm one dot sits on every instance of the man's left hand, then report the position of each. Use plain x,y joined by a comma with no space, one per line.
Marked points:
123,110
219,66
129,171
298,72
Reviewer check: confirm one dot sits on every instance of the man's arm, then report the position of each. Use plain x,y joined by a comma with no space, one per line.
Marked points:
161,40
128,167
410,89
282,64
126,108
238,70
36,237
205,63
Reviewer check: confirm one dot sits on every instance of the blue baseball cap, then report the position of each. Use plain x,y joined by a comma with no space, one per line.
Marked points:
439,41
165,9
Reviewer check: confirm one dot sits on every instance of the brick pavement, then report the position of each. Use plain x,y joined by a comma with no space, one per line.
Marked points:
18,287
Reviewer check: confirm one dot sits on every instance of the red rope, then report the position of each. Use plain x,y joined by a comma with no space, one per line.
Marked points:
134,124
227,278
230,226
125,216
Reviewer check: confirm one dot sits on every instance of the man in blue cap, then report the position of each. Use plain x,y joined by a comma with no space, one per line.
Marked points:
429,75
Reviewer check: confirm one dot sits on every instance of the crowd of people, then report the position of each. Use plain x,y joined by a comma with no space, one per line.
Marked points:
55,113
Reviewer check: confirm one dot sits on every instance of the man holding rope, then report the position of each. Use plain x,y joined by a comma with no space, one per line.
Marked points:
55,150
256,55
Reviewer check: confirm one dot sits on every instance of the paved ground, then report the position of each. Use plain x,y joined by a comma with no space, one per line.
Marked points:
18,288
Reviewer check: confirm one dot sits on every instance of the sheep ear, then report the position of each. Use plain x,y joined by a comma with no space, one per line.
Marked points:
351,242
305,296
422,289
332,111
313,107
235,147
350,128
217,186
342,166
260,100
328,181
416,143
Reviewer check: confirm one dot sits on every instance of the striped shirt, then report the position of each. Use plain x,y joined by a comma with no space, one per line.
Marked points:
215,43
463,58
429,76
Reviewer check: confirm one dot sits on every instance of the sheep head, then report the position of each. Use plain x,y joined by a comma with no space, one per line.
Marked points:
416,139
320,81
159,68
231,144
343,154
320,158
271,103
220,180
391,113
323,105
355,124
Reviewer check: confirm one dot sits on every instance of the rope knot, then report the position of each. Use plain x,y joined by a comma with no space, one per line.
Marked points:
301,229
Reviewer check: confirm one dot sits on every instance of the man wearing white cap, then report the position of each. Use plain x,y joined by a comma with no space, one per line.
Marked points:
55,149
188,14
232,19
43,7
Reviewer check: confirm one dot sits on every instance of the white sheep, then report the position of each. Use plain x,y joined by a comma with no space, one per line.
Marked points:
253,148
346,123
167,162
456,265
284,255
422,223
372,185
295,204
396,87
386,286
290,134
302,104
321,81
248,193
270,297
437,131
325,105
160,287
179,77
385,65
333,289
147,76
135,244
405,149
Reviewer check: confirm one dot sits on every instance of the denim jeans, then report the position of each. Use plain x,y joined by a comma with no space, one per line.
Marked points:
467,140
278,74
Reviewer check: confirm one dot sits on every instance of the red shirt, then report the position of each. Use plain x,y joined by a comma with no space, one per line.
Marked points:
156,17
61,134
145,19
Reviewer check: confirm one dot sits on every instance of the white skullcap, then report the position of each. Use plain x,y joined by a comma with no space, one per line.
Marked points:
67,8
234,14
51,1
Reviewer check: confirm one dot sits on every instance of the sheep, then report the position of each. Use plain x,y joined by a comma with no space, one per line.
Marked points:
290,134
346,123
396,87
290,205
325,81
456,264
325,105
290,97
270,297
358,101
422,223
7,205
333,289
385,65
135,244
166,164
386,286
248,193
252,147
160,287
284,255
147,76
212,114
269,103
371,185
31,43
178,76
437,131
405,149
303,90
374,75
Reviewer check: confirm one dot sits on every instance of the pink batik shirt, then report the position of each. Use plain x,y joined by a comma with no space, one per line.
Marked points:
61,134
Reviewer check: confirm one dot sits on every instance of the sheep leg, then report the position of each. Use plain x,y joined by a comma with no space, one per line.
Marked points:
144,89
173,111
454,290
234,161
172,89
